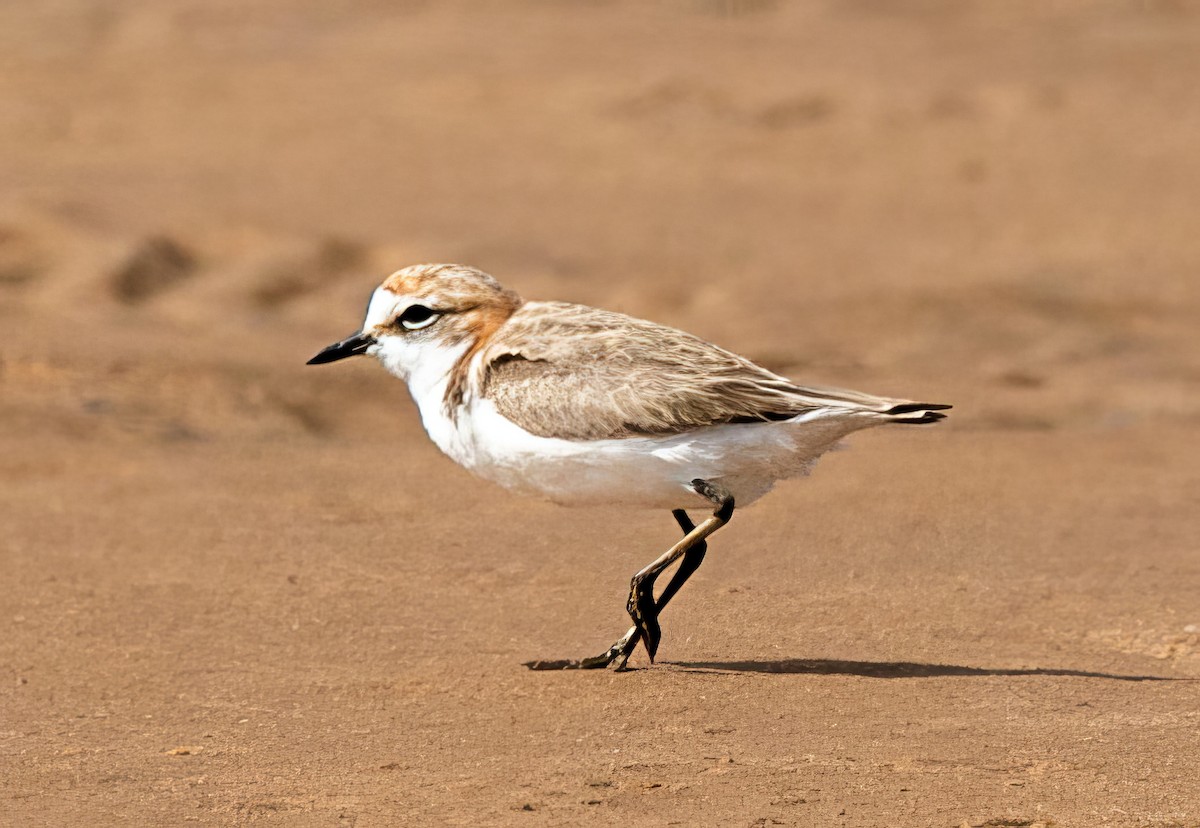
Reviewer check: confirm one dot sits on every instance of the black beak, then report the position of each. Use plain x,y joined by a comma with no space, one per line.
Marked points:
348,347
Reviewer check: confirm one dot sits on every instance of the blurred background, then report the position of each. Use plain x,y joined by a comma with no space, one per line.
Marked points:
992,204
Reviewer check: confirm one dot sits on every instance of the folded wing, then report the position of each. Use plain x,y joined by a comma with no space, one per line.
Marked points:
579,373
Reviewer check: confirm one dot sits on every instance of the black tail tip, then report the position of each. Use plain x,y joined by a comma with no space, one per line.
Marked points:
912,408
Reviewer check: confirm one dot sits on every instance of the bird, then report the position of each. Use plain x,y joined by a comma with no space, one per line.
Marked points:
584,406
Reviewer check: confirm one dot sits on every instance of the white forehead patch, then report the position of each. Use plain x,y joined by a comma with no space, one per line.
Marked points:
381,308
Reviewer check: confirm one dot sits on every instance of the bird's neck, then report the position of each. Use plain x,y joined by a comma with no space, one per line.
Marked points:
483,329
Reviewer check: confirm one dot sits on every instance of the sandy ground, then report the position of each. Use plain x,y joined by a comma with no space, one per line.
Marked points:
236,590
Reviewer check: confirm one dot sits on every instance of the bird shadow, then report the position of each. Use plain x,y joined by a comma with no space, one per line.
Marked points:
866,669
898,669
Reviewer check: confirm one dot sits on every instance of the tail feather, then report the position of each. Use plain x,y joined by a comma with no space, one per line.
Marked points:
803,402
915,413
908,408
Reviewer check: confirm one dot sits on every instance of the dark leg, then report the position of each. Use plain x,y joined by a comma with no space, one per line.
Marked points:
692,559
642,604
642,607
690,563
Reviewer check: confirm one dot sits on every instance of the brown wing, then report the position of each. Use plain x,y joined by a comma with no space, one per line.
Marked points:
560,370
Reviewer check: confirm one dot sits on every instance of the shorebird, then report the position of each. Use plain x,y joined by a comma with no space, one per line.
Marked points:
587,406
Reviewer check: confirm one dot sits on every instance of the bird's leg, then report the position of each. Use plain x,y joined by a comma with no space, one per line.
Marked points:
641,605
690,563
692,559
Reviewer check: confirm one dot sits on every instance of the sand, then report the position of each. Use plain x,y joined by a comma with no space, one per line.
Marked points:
237,590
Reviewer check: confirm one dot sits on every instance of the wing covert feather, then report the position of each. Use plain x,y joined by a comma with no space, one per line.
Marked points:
580,373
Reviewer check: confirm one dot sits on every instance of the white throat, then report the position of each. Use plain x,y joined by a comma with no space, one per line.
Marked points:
426,369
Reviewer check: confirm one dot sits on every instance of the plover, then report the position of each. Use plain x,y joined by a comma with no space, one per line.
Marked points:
587,406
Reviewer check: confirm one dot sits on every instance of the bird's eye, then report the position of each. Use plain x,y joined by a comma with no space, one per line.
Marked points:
416,317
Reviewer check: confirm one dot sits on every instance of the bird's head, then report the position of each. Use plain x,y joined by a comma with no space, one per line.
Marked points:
425,314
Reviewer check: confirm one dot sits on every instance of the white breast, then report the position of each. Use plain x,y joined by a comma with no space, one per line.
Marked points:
427,381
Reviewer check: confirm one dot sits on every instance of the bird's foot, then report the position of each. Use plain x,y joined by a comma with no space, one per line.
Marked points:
616,656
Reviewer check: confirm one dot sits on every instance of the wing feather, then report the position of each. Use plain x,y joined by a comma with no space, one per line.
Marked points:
580,373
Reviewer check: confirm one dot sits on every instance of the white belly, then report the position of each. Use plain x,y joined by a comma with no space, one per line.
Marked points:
655,472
